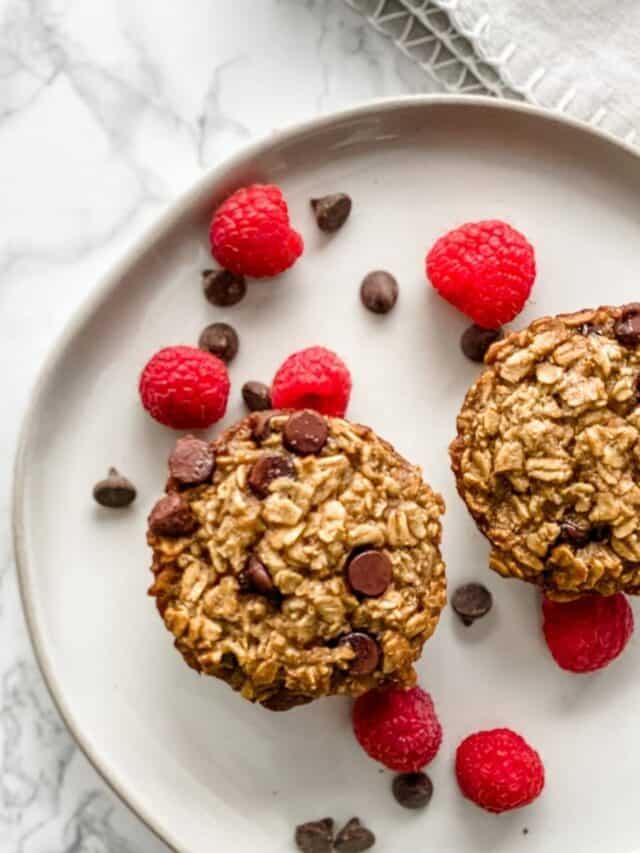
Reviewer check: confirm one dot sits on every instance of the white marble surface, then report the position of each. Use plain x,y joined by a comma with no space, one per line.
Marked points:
108,109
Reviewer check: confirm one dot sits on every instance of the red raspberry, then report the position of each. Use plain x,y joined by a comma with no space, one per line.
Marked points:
251,235
485,269
498,770
314,378
185,388
588,633
398,728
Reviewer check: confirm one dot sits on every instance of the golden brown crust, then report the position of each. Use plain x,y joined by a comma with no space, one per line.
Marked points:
284,649
546,456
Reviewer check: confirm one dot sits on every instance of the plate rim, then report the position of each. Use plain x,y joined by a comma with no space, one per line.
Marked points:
100,293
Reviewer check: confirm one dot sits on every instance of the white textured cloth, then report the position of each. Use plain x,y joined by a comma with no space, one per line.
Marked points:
578,56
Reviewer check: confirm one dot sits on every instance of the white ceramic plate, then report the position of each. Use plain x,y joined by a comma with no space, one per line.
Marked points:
206,770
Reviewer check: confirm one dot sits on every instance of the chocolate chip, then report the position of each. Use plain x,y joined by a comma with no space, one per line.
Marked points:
283,700
369,572
471,601
367,653
256,396
256,577
316,836
379,291
172,516
599,532
192,461
574,532
412,790
475,341
331,211
261,424
115,491
223,288
589,329
627,328
220,339
305,432
269,467
354,838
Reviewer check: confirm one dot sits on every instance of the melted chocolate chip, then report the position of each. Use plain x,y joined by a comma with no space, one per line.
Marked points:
256,578
369,572
575,532
367,652
261,424
627,328
599,532
269,467
283,700
172,516
305,432
192,461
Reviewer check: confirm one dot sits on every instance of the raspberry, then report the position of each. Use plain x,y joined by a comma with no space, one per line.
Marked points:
251,235
398,728
498,770
485,269
185,388
588,633
314,378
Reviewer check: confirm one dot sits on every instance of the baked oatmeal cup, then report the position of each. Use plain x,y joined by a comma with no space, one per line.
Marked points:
547,453
297,556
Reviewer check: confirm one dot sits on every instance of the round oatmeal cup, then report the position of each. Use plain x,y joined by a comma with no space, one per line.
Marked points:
547,453
297,556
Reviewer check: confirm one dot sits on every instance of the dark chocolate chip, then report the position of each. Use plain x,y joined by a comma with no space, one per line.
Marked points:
172,516
283,700
589,329
354,838
223,288
261,424
331,211
192,461
627,328
305,432
379,291
367,653
369,572
599,532
475,341
316,836
256,577
115,491
412,790
220,339
471,601
269,467
256,396
574,532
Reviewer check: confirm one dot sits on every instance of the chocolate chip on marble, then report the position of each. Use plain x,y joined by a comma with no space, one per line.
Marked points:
367,652
172,516
315,836
369,572
475,341
331,211
261,424
412,790
223,288
354,838
268,468
305,432
220,339
471,601
627,327
114,492
379,291
192,461
256,577
256,396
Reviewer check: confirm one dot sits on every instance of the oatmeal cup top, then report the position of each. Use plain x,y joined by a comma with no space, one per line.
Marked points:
297,556
547,453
